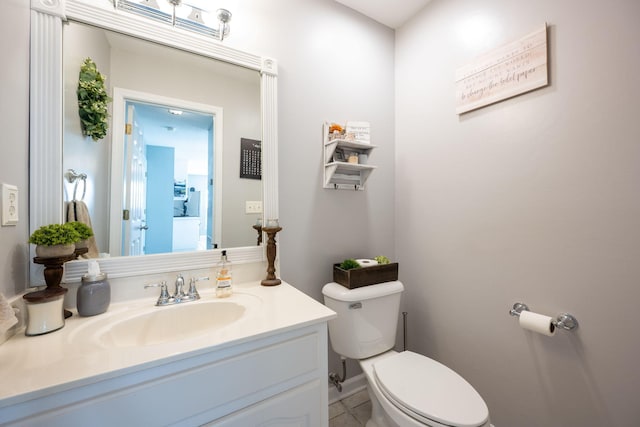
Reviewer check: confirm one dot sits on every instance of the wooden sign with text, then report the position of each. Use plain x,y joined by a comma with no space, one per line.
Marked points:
510,70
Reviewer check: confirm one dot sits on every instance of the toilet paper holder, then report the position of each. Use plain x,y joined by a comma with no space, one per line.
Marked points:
565,321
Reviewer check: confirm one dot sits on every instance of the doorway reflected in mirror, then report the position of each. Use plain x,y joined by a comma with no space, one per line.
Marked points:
170,199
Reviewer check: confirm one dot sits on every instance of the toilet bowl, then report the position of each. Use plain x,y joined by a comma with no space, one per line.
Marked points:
406,389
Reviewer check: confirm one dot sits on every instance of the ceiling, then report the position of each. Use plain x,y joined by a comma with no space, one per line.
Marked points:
393,14
159,121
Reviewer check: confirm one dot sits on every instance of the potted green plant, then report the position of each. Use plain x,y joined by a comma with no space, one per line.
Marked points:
84,231
55,240
92,101
349,264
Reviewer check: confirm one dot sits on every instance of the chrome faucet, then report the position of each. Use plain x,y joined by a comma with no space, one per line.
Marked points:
179,294
193,294
164,298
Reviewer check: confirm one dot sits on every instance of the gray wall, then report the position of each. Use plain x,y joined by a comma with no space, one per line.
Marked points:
334,65
14,121
533,199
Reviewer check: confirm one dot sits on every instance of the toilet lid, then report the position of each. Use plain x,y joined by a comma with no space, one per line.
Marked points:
422,387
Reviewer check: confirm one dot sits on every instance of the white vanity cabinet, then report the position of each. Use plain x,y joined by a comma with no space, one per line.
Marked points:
270,369
279,380
340,173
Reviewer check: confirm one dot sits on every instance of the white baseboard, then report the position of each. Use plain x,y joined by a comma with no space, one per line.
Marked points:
350,386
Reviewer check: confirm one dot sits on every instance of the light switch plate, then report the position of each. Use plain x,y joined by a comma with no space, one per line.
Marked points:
9,204
252,207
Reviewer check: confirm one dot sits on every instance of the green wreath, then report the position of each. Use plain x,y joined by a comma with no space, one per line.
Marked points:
92,101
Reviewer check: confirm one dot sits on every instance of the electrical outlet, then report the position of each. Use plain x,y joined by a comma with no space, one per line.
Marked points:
253,207
9,204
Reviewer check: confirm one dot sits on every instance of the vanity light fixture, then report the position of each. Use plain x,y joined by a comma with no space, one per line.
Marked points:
196,15
150,3
181,14
224,16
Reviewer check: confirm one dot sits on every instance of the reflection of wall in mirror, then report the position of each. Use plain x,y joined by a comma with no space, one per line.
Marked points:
81,42
152,73
241,103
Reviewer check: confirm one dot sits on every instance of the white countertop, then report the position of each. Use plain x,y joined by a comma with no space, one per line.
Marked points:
32,367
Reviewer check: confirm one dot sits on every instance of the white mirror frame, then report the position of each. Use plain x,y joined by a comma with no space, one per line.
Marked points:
46,115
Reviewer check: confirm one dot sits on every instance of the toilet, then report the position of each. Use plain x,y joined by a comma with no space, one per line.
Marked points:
406,389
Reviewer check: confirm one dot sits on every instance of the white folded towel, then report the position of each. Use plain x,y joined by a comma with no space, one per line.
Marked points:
7,315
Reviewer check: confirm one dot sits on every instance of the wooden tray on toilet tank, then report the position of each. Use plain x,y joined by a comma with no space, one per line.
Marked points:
364,276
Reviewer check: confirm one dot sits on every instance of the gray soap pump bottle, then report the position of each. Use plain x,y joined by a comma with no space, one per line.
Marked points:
94,294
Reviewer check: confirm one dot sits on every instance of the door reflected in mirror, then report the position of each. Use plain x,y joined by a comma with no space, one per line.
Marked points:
206,168
170,160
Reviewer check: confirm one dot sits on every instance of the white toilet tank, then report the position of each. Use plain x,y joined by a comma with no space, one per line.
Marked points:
367,318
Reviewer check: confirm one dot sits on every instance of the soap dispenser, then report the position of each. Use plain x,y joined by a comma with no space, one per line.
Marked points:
223,277
94,294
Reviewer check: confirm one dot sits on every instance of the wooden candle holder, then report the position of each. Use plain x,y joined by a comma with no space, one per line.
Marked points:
258,228
271,279
53,271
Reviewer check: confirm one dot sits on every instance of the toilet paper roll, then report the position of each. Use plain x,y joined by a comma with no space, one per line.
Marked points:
537,323
366,262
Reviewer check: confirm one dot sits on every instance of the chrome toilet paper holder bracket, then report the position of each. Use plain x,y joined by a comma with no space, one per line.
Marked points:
564,321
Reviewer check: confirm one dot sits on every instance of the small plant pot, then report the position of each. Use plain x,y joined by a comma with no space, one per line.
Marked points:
55,251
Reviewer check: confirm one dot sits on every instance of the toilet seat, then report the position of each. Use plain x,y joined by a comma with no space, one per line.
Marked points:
429,391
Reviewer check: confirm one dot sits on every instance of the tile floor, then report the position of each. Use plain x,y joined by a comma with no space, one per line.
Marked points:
352,411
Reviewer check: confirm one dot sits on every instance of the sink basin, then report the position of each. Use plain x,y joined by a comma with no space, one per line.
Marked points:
164,324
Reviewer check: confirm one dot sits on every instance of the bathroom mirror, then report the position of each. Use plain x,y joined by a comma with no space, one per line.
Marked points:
188,115
46,125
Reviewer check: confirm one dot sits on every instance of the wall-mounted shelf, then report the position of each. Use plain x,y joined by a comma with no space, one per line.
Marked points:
338,172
